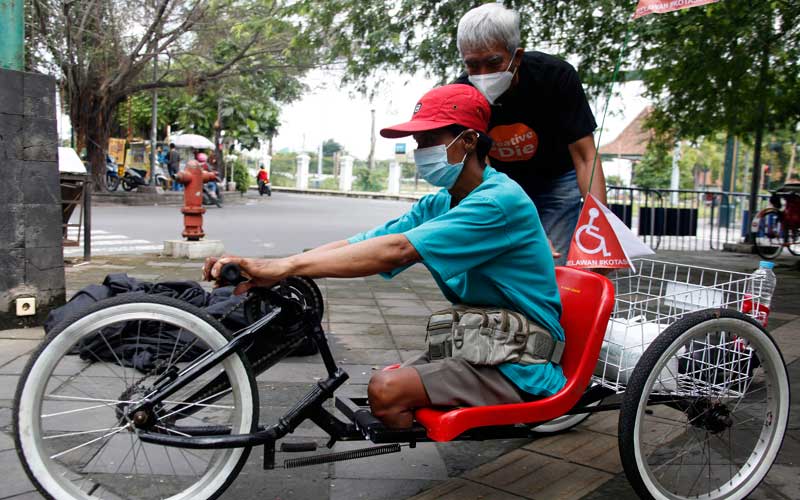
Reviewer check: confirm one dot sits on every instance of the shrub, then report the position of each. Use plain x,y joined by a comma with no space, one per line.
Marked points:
241,177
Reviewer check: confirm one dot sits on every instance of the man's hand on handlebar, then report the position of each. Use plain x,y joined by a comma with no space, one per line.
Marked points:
259,272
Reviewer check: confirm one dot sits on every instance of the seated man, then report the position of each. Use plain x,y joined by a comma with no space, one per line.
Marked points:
482,241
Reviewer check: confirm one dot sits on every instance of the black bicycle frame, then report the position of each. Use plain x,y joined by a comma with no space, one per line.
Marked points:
361,424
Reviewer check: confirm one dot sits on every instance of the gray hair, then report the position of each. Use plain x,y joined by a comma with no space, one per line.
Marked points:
486,25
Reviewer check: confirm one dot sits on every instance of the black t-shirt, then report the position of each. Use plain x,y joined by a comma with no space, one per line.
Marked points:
534,121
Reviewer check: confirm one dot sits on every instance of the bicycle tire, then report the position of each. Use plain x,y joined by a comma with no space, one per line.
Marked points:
648,374
215,334
794,243
768,252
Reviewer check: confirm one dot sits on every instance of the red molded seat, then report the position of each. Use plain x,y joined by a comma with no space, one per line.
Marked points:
587,300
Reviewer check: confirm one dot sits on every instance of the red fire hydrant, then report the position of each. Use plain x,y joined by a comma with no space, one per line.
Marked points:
193,177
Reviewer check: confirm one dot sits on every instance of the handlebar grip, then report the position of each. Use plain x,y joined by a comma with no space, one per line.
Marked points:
231,274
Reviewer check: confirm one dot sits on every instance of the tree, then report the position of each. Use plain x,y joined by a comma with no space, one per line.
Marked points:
102,51
701,66
655,169
329,147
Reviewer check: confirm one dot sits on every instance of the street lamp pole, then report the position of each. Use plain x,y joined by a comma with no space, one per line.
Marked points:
12,34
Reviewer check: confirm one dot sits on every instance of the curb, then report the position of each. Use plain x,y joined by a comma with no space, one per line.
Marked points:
348,194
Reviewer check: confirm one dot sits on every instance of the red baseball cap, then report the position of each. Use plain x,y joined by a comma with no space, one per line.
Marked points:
455,104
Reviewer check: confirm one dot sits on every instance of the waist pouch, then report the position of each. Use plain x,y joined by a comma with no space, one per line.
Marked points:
490,336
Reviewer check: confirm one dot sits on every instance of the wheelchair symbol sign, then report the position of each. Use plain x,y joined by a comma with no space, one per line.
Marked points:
588,237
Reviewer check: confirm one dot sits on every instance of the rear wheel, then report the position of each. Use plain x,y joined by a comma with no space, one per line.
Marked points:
706,409
768,233
74,435
127,185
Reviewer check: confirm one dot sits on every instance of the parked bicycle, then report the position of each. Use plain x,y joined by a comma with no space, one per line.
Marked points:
149,397
774,228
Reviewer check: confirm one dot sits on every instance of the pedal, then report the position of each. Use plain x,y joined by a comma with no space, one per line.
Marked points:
298,447
343,455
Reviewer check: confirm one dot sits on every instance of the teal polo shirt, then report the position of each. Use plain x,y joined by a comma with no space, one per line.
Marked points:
489,250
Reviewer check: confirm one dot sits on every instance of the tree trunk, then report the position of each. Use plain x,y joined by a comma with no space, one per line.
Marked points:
91,117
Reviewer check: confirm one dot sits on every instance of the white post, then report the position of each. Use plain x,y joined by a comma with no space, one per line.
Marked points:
346,174
301,178
394,177
319,162
675,180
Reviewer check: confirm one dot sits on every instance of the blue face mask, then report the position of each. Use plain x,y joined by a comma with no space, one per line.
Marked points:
433,167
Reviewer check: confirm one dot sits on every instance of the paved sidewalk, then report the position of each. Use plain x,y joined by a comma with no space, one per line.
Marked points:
372,323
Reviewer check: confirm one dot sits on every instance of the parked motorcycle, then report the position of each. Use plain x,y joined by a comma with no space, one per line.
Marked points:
112,174
135,177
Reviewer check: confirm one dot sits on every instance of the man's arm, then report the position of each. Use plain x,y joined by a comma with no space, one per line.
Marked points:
583,153
335,260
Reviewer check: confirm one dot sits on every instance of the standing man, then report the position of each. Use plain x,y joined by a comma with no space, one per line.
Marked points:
174,165
541,124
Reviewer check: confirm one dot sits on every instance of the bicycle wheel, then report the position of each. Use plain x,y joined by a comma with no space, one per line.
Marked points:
564,423
768,233
74,436
793,242
706,409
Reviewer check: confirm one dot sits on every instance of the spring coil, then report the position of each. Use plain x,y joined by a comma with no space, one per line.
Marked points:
342,455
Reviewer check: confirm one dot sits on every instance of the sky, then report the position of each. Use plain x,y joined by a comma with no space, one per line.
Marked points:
329,110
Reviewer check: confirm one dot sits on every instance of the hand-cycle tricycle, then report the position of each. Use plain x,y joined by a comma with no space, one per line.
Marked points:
701,388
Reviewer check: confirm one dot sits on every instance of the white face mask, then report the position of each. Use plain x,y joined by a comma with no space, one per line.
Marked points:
493,85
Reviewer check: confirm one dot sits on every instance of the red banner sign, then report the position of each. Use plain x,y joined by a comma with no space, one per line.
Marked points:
647,7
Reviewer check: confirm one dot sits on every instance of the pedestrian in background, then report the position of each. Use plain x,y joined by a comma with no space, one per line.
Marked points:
174,166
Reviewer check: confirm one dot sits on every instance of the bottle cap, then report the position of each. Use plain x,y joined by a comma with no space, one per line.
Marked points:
766,264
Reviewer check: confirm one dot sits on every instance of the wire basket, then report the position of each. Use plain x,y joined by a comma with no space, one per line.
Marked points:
657,294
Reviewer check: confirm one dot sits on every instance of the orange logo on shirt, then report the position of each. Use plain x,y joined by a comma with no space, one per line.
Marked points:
515,142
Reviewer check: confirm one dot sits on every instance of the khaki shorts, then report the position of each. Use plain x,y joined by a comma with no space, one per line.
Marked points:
455,382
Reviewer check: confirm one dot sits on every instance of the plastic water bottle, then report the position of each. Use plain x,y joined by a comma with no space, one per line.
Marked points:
760,287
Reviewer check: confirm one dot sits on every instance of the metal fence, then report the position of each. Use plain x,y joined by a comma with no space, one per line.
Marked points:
683,219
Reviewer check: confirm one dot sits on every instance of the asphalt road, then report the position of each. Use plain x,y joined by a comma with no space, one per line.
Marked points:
281,225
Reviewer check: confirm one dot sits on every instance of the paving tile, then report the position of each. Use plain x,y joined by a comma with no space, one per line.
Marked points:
537,476
8,386
422,311
363,341
334,302
392,319
6,442
396,329
583,447
10,349
462,489
422,462
788,340
15,481
410,341
370,317
396,295
358,328
380,357
377,489
23,333
401,303
605,422
293,372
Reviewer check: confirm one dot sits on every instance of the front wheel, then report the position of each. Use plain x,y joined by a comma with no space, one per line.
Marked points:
706,409
768,233
127,185
74,435
112,182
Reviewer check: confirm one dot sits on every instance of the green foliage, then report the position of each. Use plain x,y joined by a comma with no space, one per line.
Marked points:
330,146
701,66
370,180
655,169
613,180
241,177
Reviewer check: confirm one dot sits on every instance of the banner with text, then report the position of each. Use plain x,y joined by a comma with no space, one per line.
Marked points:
647,7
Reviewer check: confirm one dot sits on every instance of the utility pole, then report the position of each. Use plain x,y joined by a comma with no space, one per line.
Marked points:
371,159
12,34
154,126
